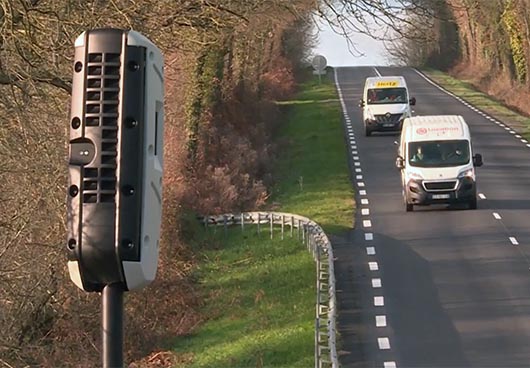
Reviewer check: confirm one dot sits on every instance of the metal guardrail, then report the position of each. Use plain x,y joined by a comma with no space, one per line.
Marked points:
319,245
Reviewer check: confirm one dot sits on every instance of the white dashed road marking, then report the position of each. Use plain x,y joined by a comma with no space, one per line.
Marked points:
379,301
496,215
369,236
365,211
376,283
370,251
514,240
380,321
481,196
374,266
367,223
364,201
384,343
390,365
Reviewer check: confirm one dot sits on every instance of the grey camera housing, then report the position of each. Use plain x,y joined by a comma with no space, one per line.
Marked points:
114,200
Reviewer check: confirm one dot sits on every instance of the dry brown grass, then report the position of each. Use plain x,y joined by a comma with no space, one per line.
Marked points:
497,84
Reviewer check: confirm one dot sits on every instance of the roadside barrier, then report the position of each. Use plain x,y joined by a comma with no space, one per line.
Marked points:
317,242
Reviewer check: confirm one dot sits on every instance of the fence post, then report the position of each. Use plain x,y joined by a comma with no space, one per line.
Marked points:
283,224
271,218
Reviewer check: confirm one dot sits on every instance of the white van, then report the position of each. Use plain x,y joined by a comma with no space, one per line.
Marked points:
436,159
385,104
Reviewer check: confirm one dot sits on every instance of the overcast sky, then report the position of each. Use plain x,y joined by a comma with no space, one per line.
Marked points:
335,49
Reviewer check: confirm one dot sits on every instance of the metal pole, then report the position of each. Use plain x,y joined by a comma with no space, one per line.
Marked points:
112,325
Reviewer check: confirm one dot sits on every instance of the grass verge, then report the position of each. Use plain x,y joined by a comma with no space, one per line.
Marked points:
312,174
482,101
259,294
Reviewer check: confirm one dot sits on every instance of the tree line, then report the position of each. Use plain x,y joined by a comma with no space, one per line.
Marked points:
226,62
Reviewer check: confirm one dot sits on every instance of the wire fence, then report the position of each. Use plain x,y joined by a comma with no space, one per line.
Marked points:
317,242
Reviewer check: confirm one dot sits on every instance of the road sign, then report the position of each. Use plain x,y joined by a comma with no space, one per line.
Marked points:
319,63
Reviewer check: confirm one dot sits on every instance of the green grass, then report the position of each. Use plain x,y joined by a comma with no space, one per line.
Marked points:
259,300
312,174
259,294
482,101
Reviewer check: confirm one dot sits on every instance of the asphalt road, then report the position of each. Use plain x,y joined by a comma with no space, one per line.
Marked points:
437,287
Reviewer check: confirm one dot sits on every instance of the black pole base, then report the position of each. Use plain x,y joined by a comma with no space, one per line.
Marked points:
112,325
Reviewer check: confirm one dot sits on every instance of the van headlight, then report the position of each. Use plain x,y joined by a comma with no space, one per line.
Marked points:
467,173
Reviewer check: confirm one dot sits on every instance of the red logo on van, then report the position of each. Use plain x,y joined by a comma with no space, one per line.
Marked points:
421,131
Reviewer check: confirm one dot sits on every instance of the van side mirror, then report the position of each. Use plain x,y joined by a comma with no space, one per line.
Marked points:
477,160
361,103
412,101
400,163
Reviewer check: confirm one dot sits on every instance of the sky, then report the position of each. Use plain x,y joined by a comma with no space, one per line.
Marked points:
335,49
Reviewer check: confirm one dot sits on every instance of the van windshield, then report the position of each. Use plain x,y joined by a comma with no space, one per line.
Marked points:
439,153
387,95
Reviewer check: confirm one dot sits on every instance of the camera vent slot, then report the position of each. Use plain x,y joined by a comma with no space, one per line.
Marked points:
102,111
110,121
91,173
94,83
90,198
95,58
92,120
90,185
